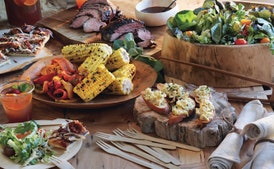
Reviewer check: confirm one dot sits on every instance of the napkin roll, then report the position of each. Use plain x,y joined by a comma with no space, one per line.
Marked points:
228,152
263,156
261,128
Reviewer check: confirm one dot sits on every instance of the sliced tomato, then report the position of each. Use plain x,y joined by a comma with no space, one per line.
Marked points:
240,41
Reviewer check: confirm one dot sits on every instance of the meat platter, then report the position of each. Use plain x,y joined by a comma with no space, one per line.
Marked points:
60,24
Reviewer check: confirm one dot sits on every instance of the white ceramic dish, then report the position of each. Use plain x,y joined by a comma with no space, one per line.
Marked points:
71,151
155,19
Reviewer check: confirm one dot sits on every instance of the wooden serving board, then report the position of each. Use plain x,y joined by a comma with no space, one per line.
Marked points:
59,24
189,131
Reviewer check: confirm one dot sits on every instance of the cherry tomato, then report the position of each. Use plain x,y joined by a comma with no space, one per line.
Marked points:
189,33
240,41
265,40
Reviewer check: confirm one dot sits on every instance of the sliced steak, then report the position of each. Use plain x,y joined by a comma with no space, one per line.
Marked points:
93,25
118,28
144,39
78,22
101,10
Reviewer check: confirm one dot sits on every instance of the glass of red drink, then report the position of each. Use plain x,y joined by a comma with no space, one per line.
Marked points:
20,12
16,99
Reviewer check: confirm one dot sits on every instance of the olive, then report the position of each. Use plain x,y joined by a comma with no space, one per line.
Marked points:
9,151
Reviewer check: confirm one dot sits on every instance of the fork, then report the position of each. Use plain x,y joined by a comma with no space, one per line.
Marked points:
132,149
112,150
111,137
131,132
145,148
61,163
157,152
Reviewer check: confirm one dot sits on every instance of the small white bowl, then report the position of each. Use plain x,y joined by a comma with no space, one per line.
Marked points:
155,19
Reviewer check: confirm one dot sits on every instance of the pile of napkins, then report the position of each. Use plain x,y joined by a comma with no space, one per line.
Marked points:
254,123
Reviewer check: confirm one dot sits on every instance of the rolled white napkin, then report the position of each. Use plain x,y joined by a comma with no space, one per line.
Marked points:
228,152
263,156
261,128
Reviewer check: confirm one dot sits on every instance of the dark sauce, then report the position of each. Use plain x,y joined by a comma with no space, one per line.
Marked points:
155,9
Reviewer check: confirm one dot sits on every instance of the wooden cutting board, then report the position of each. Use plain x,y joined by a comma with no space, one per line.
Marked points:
59,24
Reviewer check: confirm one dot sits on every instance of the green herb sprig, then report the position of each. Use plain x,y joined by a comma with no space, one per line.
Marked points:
135,52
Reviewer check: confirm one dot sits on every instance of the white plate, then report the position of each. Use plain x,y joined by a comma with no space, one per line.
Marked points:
17,63
71,151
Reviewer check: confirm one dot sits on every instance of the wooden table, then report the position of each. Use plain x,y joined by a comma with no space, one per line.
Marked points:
109,118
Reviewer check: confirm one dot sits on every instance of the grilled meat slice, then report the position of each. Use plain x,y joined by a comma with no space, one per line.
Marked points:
118,28
78,22
100,12
93,25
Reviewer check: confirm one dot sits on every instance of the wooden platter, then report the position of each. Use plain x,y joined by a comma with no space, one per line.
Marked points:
59,24
145,77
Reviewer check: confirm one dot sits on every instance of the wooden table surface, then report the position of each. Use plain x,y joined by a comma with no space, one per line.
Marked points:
109,118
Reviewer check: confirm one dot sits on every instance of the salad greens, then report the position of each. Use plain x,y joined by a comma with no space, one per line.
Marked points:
28,142
227,24
136,53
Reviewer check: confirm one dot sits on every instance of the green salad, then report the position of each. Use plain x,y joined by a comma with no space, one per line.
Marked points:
25,144
224,23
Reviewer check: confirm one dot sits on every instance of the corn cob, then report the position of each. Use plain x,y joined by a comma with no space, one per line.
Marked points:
99,56
79,52
120,86
117,59
94,83
127,70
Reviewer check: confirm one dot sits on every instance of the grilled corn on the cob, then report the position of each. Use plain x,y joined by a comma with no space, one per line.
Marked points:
117,59
120,86
94,83
99,56
79,52
128,70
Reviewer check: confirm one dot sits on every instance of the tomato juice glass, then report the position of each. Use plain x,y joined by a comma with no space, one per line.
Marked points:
16,99
20,12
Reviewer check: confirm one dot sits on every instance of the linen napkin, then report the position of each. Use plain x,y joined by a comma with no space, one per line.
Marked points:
263,155
261,128
228,152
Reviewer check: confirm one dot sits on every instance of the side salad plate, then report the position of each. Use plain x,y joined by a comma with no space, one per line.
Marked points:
67,154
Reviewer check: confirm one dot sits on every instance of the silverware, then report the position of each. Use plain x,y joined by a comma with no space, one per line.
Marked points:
134,150
112,150
111,137
172,159
131,132
160,156
62,164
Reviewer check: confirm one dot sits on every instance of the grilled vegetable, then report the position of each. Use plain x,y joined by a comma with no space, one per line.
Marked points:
94,83
79,52
120,86
127,70
117,59
99,56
